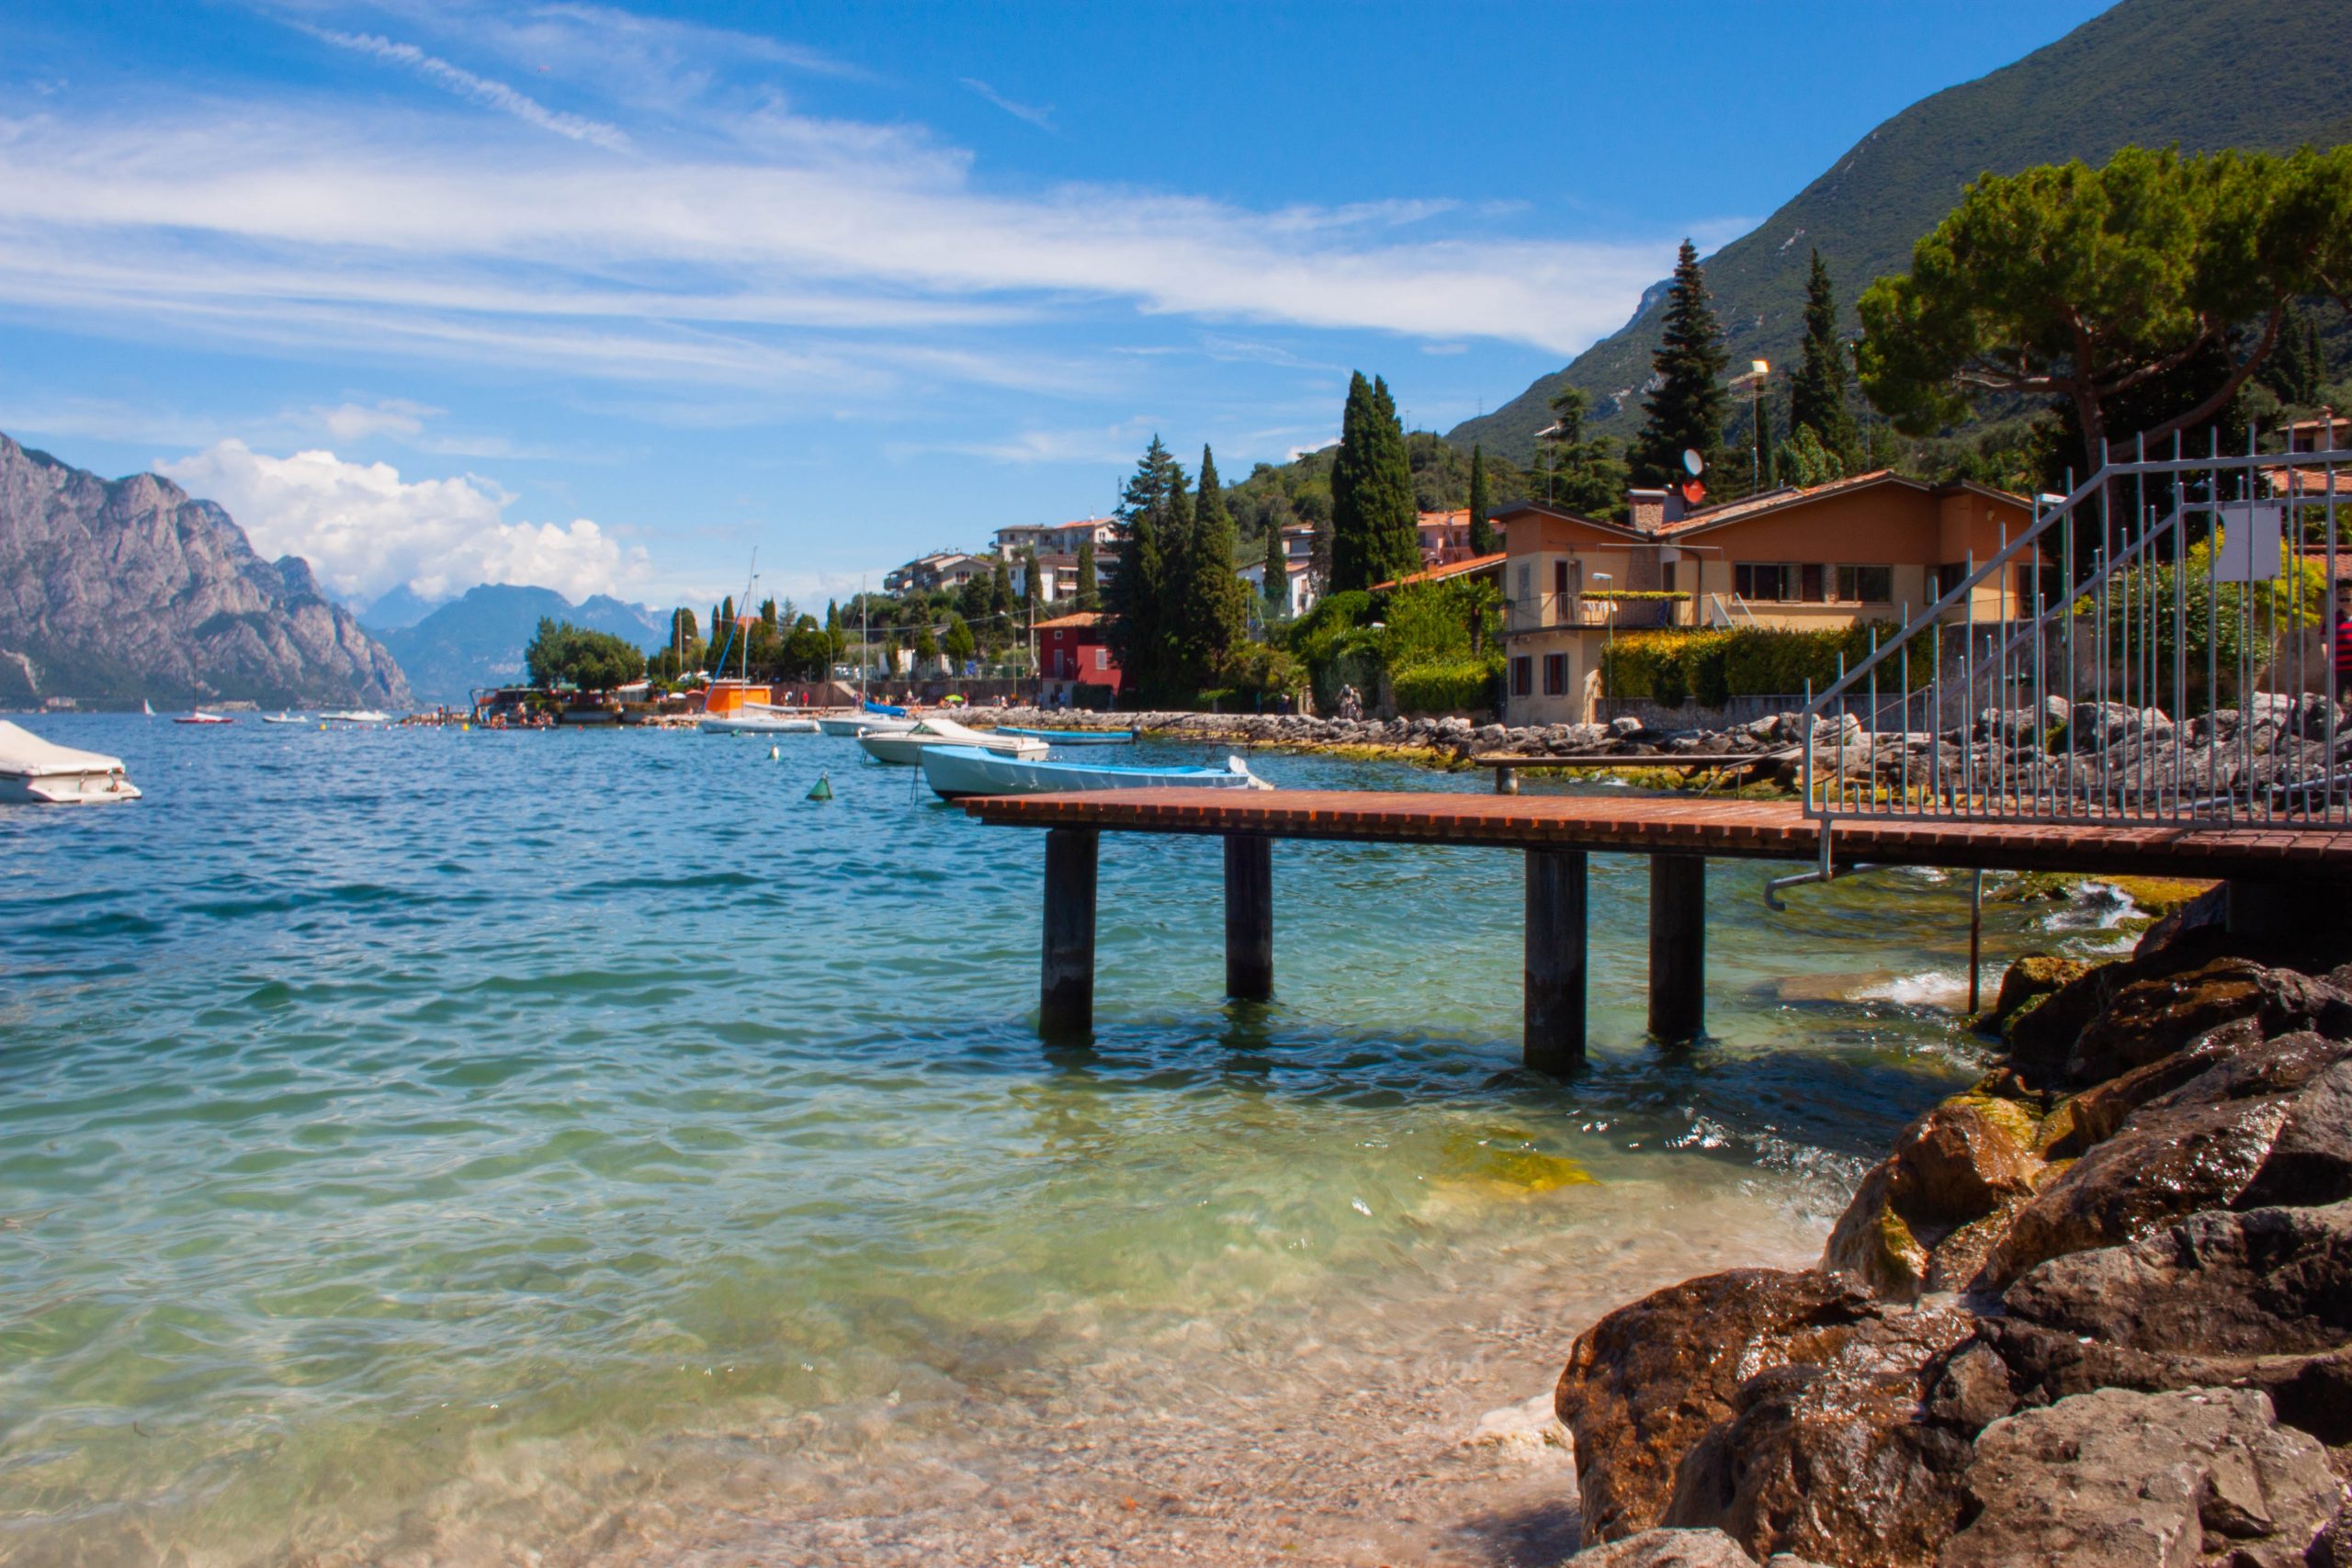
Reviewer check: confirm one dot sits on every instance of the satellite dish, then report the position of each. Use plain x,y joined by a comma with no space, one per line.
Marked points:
1693,462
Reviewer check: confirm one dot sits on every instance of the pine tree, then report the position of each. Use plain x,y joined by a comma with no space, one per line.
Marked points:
1581,474
1818,399
1086,594
1686,410
1154,525
1374,536
1276,588
1482,533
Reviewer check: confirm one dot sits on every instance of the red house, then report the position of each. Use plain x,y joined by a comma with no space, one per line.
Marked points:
1071,654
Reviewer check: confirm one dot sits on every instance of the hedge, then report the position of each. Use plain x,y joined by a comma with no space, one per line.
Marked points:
1450,686
1670,667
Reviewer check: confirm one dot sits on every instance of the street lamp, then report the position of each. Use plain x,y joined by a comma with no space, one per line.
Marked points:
1761,369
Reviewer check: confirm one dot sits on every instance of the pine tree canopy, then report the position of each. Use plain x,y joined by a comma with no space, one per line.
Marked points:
1817,399
1374,531
1685,411
1482,533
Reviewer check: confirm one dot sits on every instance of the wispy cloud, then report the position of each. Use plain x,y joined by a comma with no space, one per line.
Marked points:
480,89
1043,119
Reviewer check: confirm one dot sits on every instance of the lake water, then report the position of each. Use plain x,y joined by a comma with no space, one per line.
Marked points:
437,1146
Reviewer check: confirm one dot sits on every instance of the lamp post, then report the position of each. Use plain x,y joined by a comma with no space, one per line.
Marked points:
1759,369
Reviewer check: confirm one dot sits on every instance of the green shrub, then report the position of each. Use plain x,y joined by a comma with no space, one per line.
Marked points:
1672,667
1445,686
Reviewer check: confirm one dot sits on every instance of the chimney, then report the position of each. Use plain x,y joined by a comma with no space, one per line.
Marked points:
1650,510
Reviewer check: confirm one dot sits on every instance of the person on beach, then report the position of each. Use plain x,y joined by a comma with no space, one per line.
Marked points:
2342,640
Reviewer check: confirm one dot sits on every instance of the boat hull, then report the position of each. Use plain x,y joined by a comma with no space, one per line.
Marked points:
957,773
865,724
85,788
756,724
1075,736
907,750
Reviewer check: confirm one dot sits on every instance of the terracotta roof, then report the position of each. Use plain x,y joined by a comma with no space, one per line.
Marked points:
2308,480
1439,574
1548,510
1059,623
1777,500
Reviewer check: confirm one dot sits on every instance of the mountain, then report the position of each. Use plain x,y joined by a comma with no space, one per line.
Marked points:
401,605
112,591
2203,73
477,639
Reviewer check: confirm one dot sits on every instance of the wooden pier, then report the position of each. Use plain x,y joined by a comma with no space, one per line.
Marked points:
1555,833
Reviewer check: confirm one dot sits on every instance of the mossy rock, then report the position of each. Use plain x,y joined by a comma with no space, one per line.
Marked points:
2032,977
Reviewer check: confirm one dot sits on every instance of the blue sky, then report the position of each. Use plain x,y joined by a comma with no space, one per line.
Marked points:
601,297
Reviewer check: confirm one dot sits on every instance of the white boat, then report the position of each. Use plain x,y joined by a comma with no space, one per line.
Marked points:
285,719
38,772
197,716
955,772
1074,737
863,724
757,719
356,716
909,747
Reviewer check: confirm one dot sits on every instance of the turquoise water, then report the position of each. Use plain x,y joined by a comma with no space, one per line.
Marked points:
409,1137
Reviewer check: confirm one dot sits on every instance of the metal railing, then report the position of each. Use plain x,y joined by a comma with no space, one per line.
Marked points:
2174,664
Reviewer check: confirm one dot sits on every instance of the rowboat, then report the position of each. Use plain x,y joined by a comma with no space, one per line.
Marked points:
1075,736
955,772
42,772
908,747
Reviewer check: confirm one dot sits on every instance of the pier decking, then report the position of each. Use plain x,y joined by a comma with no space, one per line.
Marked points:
1555,833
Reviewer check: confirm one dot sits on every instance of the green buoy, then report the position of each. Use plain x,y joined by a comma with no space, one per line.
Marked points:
824,789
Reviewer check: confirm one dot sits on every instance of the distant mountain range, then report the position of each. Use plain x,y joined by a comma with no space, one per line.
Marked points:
477,639
115,590
2203,73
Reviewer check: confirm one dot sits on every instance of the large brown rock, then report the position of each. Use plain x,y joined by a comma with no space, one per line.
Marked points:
1835,1460
2152,1017
2260,1300
1966,1159
2117,1479
2028,979
2213,1142
1643,1385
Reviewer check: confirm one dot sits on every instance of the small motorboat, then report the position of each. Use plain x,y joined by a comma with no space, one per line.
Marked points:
908,747
354,716
42,772
1074,737
757,719
200,717
863,724
955,772
285,719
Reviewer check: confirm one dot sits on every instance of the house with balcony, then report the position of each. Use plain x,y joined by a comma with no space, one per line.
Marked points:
1055,539
1072,652
1877,547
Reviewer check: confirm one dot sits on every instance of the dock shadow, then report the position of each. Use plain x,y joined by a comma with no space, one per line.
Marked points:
1545,1531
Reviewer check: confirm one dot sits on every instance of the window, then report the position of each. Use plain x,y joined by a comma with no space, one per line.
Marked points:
1526,582
1102,659
1666,577
1556,674
1949,576
1761,579
1521,675
1813,583
1560,579
1866,584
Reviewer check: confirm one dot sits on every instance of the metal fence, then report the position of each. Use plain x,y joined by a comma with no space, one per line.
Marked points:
2166,658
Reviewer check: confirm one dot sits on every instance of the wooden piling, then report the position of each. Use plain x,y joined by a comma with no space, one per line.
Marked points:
1506,780
1553,1033
1678,946
1066,986
1249,917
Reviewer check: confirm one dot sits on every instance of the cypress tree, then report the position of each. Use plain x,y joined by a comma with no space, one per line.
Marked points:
1373,532
1685,410
1086,594
1482,533
1818,392
1032,581
1276,588
1213,602
1135,604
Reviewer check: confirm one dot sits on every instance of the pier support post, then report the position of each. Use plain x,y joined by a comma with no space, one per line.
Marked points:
1065,987
1678,946
1506,780
1249,917
1553,1034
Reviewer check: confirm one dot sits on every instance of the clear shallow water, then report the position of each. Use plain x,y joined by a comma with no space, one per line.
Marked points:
464,1146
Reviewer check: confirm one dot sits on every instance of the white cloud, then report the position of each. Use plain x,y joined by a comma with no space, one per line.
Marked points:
363,528
480,89
357,422
1040,116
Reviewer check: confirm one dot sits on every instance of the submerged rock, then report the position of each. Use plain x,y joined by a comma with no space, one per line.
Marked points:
2119,1478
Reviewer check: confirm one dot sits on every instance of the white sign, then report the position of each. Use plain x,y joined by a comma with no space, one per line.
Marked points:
2250,545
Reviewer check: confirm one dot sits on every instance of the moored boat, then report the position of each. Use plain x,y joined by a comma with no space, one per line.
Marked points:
756,719
200,717
955,772
1074,737
285,719
42,772
909,747
863,724
356,716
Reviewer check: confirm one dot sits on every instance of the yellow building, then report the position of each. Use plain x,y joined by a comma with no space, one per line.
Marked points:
1874,548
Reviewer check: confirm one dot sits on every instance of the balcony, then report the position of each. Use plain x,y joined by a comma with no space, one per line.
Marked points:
1550,612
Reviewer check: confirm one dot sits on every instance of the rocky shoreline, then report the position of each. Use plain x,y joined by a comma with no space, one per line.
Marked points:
2095,1310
